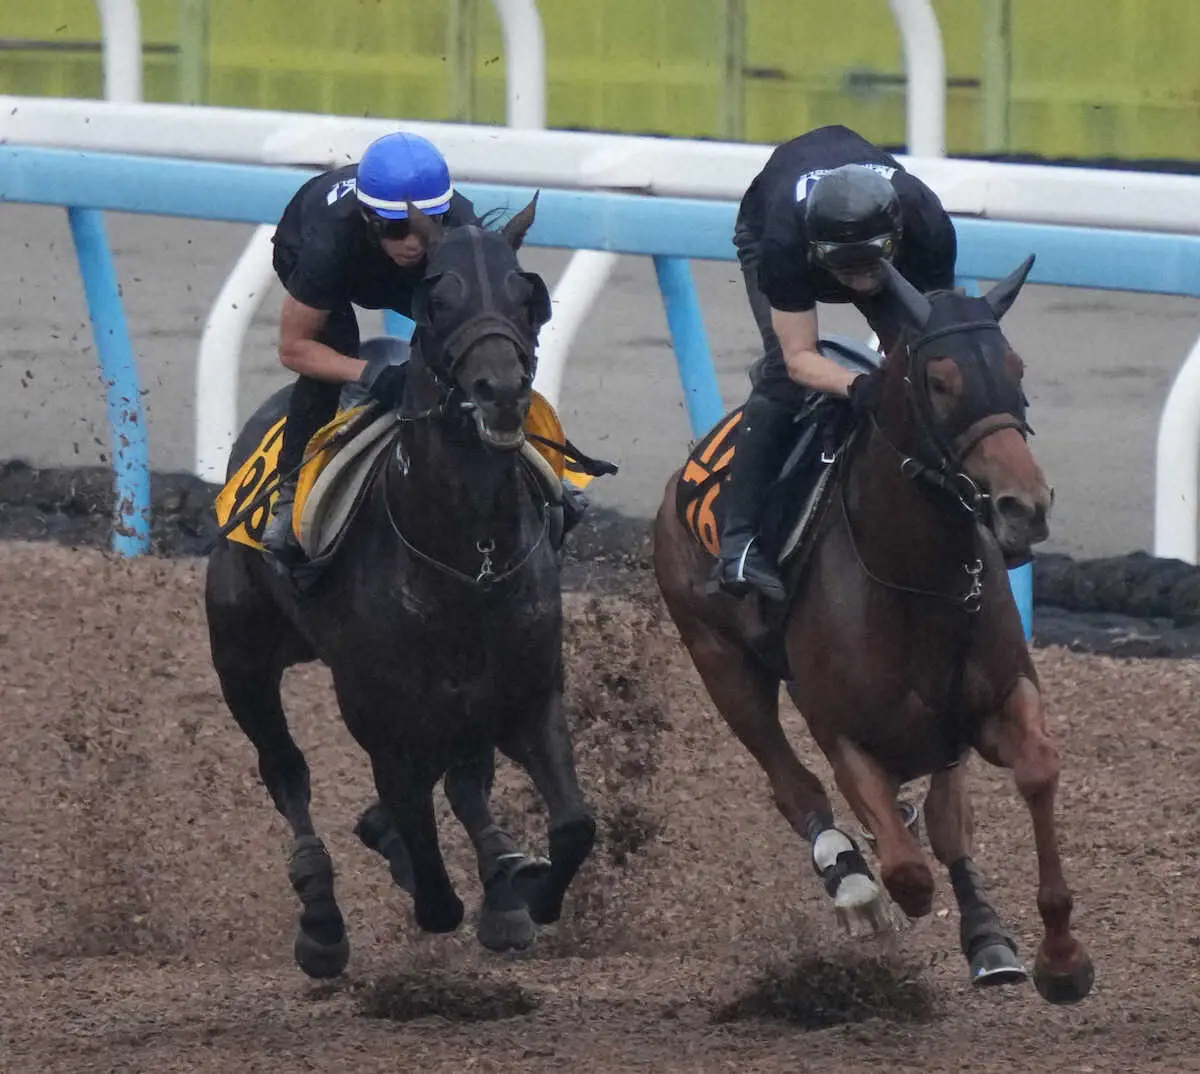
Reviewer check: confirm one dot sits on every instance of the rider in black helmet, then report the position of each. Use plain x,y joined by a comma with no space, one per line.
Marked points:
815,225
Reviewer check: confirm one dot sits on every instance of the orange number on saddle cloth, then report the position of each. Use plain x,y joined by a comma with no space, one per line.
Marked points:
700,486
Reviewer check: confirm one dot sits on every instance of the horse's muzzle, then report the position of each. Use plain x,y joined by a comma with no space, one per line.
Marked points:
501,428
1019,524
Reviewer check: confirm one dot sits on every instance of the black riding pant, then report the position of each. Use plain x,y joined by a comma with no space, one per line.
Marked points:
768,376
768,414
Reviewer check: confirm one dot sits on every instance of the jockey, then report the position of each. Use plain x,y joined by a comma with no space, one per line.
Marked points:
344,240
815,226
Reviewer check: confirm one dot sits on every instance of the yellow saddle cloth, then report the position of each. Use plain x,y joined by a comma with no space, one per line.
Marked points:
335,467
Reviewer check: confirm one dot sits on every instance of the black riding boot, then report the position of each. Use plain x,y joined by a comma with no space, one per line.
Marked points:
311,405
762,438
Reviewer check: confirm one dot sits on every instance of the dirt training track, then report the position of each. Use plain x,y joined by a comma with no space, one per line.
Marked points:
148,921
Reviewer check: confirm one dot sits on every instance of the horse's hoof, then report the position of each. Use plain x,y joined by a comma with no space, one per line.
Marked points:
1064,986
501,931
321,960
996,964
910,884
860,906
444,918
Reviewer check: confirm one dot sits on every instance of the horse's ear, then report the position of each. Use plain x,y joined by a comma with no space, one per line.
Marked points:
420,299
539,301
514,231
1004,294
423,227
913,306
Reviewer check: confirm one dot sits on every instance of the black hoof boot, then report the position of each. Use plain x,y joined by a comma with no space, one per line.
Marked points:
996,964
504,921
321,949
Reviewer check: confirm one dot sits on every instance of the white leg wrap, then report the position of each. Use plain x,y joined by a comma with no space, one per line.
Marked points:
827,846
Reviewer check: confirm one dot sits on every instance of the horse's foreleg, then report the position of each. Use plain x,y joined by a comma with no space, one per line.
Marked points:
504,921
542,746
468,786
872,796
1016,738
252,694
406,790
989,948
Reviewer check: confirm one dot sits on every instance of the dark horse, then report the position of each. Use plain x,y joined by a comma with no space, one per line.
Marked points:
440,617
903,644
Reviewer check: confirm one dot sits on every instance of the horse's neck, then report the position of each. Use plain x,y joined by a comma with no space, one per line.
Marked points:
898,524
455,494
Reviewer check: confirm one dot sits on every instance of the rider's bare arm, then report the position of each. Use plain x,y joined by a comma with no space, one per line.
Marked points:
806,365
299,351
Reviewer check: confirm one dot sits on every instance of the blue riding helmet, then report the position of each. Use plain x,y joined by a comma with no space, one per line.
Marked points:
400,168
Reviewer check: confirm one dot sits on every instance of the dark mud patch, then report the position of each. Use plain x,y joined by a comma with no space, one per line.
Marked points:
407,997
819,991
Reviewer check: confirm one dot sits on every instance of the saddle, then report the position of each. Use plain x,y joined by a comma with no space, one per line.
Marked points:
343,456
797,499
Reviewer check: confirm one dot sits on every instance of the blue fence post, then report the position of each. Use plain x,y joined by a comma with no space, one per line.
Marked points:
396,324
1020,579
684,319
131,463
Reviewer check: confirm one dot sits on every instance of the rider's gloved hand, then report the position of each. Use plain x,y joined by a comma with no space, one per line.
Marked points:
866,392
386,385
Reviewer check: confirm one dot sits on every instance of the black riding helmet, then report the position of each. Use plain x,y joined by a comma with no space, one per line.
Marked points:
852,219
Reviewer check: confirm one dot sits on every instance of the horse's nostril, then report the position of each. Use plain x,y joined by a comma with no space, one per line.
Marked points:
483,391
1016,510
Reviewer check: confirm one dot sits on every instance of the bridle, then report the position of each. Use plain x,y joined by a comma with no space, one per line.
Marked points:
939,465
441,353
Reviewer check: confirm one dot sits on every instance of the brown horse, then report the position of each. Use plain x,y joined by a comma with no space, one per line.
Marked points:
901,644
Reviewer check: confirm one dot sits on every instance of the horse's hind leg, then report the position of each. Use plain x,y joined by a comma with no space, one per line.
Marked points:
377,831
1016,738
504,921
872,795
542,746
249,639
406,791
989,948
746,693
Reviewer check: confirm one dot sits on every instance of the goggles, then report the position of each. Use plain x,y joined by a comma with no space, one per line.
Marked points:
848,256
386,228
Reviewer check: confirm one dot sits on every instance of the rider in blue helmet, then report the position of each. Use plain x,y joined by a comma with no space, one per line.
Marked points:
344,240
